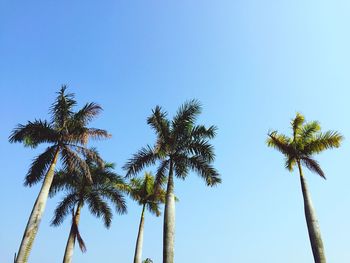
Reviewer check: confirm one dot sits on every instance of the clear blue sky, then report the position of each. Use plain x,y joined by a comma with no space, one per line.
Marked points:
253,64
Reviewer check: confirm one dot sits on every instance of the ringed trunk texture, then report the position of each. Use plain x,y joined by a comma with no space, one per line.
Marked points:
139,242
169,220
312,223
68,253
36,214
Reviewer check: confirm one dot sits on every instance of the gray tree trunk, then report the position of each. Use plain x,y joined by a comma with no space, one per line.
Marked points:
312,223
68,253
169,220
36,214
139,242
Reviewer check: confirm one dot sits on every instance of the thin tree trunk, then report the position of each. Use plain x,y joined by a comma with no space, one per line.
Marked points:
36,214
169,220
312,223
139,242
68,253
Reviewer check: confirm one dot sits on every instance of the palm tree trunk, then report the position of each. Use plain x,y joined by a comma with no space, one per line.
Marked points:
312,223
68,253
36,214
139,242
169,220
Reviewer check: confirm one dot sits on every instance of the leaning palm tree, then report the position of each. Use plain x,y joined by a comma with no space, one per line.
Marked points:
80,191
181,146
144,192
67,134
306,141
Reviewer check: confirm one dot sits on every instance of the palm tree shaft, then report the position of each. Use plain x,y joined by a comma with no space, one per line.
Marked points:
312,222
37,212
139,242
169,220
68,254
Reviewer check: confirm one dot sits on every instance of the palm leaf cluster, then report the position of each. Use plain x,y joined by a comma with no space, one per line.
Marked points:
80,191
66,132
306,141
181,146
143,191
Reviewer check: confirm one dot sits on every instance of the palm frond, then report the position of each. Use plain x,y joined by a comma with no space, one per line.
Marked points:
34,133
72,163
159,123
116,198
161,173
100,208
290,163
308,130
144,157
323,141
200,131
205,170
280,142
87,113
63,181
62,108
297,123
312,165
40,166
64,208
203,148
185,117
76,233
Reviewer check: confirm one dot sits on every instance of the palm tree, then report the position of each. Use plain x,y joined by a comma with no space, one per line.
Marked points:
181,146
67,135
298,150
144,192
147,260
80,191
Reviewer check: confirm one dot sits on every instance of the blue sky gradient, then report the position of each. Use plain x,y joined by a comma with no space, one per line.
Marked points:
253,65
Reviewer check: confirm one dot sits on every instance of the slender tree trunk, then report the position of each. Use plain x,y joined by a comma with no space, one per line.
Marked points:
169,220
68,253
36,214
312,223
139,242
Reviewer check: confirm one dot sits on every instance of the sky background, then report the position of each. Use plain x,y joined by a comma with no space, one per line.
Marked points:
252,64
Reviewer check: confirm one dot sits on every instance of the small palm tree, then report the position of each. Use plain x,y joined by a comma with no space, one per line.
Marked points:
181,146
147,260
144,192
80,191
306,141
67,133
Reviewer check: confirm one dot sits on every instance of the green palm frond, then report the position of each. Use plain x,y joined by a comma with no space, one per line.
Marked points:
72,162
34,133
203,148
323,141
62,108
39,166
205,170
64,208
100,208
308,131
307,141
186,117
296,124
200,131
159,122
144,157
280,142
161,172
87,113
290,163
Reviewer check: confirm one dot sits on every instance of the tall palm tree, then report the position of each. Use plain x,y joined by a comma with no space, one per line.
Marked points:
306,141
67,133
144,192
80,191
181,146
